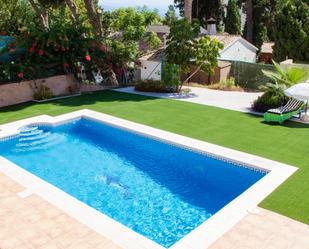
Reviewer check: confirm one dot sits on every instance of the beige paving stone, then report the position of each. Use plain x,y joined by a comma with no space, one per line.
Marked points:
68,239
51,245
266,230
54,232
39,240
81,231
33,217
16,188
33,200
84,244
10,242
45,224
96,239
108,245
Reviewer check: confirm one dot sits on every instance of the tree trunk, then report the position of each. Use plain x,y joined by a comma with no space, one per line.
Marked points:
188,9
42,13
74,10
94,17
249,12
191,75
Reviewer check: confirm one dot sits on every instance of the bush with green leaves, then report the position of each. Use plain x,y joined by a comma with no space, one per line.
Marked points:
274,96
15,16
170,75
228,83
268,101
153,86
291,30
233,18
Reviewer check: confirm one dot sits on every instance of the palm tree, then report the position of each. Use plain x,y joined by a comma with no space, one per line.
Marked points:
188,9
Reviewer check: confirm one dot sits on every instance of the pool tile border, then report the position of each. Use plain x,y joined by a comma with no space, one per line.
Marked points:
201,237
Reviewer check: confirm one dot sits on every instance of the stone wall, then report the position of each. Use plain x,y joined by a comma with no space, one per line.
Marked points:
15,93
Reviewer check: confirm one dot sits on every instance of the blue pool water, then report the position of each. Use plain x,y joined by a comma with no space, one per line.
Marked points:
157,189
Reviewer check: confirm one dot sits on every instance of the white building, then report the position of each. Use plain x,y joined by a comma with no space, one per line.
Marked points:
151,66
235,48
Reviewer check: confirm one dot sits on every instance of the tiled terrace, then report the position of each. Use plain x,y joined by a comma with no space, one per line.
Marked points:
33,223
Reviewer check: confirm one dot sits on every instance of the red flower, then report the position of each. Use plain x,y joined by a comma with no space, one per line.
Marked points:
88,58
41,52
78,69
20,75
31,50
66,65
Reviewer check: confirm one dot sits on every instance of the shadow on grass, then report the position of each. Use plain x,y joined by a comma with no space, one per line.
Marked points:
287,124
101,96
83,100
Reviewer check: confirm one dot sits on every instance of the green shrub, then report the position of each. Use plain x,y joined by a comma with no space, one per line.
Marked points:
153,86
229,83
170,75
268,101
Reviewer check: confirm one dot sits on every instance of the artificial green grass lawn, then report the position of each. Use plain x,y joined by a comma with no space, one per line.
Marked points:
288,143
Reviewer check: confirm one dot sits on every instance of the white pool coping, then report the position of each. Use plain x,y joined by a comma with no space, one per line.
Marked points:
201,237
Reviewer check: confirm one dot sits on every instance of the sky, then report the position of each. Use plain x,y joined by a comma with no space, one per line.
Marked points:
161,5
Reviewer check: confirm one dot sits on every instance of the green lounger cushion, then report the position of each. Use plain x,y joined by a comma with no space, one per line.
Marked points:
293,107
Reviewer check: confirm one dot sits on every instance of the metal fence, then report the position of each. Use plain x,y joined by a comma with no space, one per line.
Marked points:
249,75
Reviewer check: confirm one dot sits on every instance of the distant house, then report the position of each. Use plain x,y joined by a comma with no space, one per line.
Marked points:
267,52
151,65
235,48
162,32
151,69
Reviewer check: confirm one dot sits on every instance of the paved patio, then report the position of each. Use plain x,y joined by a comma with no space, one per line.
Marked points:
237,101
33,223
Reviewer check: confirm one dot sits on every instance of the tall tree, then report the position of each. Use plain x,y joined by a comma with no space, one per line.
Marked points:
259,22
249,20
94,16
204,9
233,21
74,10
170,16
188,9
42,13
182,45
15,15
291,30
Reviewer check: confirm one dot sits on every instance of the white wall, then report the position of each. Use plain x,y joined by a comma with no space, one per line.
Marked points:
150,70
239,52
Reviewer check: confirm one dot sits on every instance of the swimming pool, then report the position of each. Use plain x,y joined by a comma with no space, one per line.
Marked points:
157,188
